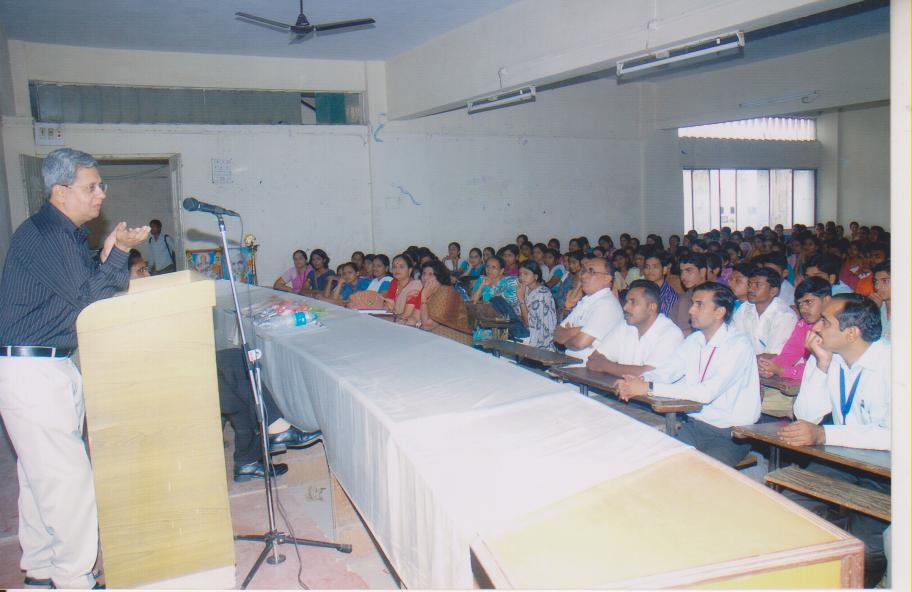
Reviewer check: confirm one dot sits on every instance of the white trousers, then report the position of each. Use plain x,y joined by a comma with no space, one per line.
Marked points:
43,410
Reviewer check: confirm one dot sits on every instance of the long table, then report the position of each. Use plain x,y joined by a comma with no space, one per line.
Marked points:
438,444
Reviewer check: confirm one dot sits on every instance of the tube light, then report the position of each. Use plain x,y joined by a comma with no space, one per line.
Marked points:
515,97
671,55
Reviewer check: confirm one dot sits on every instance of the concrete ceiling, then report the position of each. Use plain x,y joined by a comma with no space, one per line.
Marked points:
209,26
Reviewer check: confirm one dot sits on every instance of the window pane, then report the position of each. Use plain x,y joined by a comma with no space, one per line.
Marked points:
753,198
781,197
688,200
714,198
804,197
729,197
701,209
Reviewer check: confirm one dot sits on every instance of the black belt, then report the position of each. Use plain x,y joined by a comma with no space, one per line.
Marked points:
27,351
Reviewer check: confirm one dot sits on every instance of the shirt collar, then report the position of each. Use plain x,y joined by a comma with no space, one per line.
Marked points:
719,337
50,218
872,358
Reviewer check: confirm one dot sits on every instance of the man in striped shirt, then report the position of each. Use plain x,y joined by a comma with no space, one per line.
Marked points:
48,278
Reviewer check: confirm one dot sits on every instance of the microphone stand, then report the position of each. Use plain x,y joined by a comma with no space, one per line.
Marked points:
273,537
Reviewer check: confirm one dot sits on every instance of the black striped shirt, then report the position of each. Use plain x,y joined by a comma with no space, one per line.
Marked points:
49,277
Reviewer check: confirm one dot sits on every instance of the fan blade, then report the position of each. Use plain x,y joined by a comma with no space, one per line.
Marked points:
343,24
263,21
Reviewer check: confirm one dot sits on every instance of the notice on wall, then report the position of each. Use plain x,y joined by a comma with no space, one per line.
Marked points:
221,171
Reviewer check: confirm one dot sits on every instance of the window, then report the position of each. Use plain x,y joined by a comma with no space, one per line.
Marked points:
789,129
714,198
85,103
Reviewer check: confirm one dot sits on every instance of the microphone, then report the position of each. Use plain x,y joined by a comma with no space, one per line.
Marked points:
191,204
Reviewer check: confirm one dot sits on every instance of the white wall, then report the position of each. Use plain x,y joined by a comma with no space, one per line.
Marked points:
539,41
542,168
864,166
854,72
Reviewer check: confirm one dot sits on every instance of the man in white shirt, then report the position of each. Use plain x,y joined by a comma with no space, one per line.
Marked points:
647,339
766,319
778,262
161,250
596,314
848,376
714,366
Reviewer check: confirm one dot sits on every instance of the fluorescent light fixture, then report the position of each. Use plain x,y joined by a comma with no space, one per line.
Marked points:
514,97
671,55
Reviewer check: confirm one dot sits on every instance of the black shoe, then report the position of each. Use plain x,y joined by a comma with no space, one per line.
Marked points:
255,470
292,438
38,582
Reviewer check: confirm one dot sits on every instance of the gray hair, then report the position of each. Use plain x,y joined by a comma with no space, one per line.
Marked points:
59,167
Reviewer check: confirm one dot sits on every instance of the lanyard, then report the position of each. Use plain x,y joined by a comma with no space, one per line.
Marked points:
846,406
709,361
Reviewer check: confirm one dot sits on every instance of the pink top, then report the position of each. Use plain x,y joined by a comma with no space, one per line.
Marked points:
296,279
793,355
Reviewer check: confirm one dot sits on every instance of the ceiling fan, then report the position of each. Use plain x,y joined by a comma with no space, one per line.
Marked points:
302,26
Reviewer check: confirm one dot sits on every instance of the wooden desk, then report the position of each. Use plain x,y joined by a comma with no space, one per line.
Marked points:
786,387
546,358
585,378
872,461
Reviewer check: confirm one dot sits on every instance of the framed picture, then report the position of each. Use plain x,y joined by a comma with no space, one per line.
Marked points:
211,263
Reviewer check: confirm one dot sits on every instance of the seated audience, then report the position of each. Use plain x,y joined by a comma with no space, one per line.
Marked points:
137,265
570,289
882,294
595,316
655,269
847,377
693,273
646,340
475,265
403,296
435,278
294,278
454,261
380,278
525,252
494,284
778,263
826,267
341,286
810,297
714,366
510,256
873,254
320,273
764,317
538,255
556,271
536,306
624,274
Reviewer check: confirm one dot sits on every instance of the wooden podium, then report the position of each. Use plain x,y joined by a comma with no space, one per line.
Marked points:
152,409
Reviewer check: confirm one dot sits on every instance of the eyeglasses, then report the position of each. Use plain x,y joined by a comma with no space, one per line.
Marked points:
92,187
143,270
591,271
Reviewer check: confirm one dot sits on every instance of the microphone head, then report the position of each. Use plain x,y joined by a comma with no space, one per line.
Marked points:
191,204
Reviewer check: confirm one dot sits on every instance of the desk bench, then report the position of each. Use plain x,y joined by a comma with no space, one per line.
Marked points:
847,495
585,378
546,358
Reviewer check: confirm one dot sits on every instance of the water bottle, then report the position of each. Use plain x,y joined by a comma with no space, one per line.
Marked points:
298,319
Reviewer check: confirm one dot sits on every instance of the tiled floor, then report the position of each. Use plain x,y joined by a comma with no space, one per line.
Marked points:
315,506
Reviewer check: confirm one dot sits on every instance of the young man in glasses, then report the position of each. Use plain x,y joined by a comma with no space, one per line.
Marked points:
48,278
597,313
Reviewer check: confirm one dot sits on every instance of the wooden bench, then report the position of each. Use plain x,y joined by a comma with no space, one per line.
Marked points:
841,493
746,462
545,357
585,378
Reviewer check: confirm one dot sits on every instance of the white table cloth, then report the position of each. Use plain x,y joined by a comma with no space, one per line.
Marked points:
435,441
